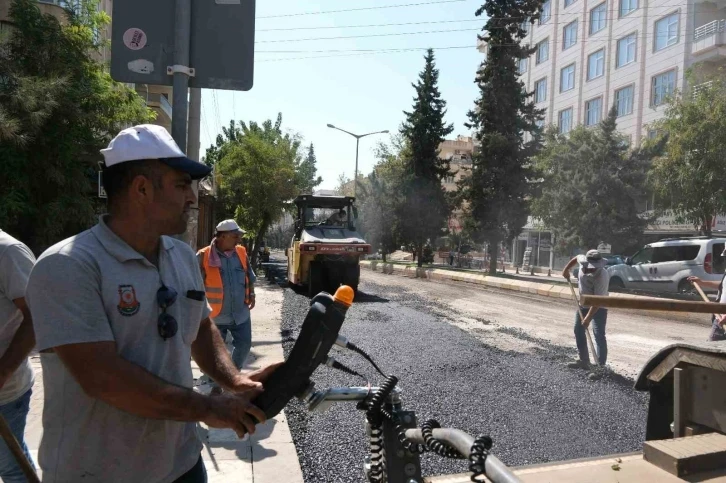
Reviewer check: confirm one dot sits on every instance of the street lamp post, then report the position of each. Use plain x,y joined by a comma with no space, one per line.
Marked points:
357,142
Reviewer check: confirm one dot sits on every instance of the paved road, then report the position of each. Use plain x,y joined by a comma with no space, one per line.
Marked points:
491,365
531,324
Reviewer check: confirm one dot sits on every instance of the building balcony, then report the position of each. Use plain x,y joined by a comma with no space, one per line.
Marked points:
709,41
482,47
52,7
161,106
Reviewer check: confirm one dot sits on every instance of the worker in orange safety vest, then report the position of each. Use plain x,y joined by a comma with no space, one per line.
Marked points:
229,282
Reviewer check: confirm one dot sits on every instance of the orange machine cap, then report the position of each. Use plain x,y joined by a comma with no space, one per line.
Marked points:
344,295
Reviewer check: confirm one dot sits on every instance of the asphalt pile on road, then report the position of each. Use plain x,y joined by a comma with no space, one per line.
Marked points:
534,409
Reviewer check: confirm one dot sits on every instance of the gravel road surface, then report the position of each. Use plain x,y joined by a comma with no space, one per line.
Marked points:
478,367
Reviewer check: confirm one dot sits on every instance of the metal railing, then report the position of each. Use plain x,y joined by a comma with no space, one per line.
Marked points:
698,88
708,30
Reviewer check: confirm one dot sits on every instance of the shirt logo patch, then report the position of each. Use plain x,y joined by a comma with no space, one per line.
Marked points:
127,303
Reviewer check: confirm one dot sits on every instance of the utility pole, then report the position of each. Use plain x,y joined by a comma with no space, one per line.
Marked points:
193,145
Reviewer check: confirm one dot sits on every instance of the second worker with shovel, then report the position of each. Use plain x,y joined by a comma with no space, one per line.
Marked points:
593,279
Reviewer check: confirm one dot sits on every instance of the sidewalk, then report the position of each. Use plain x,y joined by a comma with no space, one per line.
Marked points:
268,456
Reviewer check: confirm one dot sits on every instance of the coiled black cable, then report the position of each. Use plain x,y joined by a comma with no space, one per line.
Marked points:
433,444
374,416
478,457
375,412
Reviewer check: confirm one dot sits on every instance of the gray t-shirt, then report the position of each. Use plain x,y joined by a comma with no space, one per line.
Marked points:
94,287
593,283
16,262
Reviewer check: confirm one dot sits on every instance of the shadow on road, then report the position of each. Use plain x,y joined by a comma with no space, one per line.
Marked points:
363,298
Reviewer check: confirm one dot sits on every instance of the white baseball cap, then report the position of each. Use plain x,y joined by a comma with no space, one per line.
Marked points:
149,141
229,225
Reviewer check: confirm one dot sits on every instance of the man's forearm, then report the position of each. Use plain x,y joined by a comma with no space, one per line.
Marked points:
716,284
570,264
20,347
212,356
591,313
131,388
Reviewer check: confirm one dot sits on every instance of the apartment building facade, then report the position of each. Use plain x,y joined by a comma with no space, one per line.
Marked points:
593,54
458,152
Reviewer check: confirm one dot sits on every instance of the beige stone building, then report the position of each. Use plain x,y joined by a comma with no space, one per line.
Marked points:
593,54
459,152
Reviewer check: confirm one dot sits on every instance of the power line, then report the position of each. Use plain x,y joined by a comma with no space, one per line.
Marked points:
353,53
367,36
361,9
360,50
368,26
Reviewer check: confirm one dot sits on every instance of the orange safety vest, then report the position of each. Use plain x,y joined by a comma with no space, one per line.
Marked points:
213,280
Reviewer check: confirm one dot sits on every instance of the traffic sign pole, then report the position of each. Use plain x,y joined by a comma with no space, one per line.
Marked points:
181,71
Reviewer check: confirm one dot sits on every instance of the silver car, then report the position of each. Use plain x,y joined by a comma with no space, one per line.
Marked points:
665,266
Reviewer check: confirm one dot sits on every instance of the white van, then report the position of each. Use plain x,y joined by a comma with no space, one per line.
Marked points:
664,266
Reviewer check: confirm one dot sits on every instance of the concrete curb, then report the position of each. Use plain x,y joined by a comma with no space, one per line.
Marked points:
543,289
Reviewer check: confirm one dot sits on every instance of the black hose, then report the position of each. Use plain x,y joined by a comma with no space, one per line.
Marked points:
360,351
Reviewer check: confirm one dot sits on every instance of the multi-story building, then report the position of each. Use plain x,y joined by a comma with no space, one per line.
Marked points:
459,152
593,54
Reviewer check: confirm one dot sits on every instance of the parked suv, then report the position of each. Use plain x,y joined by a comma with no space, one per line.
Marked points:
664,266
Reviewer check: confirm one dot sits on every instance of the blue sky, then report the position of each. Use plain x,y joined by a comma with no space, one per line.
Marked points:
359,93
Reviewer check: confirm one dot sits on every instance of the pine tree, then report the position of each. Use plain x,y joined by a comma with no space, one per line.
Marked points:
499,188
306,172
425,210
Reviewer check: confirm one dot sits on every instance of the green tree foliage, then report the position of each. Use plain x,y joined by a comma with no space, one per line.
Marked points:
593,187
690,177
58,108
259,171
381,196
499,188
307,172
423,214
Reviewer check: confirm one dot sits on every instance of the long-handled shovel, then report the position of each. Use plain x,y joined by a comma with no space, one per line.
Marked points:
700,291
587,329
17,452
703,295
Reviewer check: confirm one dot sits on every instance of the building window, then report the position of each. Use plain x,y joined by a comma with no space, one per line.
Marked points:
593,111
567,78
568,3
543,51
525,26
626,50
565,121
598,18
540,90
627,6
569,35
546,12
652,133
624,100
596,64
522,66
662,86
666,32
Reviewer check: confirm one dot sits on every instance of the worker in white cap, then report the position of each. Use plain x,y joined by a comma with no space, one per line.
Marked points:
230,285
119,311
593,279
